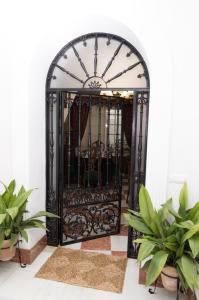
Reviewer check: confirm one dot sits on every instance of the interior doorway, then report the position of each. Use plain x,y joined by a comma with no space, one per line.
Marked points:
96,137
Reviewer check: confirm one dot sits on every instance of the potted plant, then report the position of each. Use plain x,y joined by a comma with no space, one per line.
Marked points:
12,221
169,242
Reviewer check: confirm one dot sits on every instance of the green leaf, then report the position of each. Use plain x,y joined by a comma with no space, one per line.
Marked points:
171,246
1,238
24,235
6,197
33,223
146,209
11,186
157,264
45,214
164,211
171,229
145,250
134,212
182,279
22,198
193,214
13,239
139,225
190,233
175,214
2,205
13,211
183,200
189,271
7,232
159,225
2,218
21,191
140,241
146,265
171,238
186,224
194,244
180,250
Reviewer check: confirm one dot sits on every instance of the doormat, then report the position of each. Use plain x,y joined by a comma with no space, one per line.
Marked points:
86,269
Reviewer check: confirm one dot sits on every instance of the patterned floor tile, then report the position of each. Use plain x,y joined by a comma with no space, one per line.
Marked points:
97,244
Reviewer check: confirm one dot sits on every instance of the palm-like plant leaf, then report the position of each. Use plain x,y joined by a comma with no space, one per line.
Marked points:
145,250
157,264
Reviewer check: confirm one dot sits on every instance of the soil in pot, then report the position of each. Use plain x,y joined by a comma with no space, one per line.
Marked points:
169,278
6,252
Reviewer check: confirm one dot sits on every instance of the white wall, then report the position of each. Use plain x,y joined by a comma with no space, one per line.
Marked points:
166,34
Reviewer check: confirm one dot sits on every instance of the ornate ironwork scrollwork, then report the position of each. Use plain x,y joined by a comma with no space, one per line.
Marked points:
92,220
77,197
142,98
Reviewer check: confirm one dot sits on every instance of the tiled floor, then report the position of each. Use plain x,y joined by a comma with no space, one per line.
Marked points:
20,284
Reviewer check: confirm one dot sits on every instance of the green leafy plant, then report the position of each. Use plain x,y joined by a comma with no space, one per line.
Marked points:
12,210
168,237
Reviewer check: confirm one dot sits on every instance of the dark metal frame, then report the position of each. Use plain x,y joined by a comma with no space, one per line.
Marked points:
139,139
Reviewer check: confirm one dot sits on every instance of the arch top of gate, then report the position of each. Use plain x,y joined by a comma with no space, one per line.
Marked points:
97,61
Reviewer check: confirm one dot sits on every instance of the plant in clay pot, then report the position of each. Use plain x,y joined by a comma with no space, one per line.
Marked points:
13,224
169,241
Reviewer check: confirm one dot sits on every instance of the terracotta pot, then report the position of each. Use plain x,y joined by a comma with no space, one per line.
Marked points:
7,253
169,278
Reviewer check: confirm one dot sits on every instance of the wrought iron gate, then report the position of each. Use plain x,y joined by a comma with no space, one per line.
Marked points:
91,153
84,177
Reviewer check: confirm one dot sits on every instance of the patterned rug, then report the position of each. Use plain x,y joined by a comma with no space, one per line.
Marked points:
86,269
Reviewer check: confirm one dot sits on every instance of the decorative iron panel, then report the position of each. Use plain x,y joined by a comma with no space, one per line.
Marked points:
89,221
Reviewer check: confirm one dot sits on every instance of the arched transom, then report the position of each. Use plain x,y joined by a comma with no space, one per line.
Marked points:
98,60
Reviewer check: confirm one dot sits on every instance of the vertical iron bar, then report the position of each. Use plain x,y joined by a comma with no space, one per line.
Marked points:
79,140
89,141
146,134
116,144
140,137
132,233
69,137
95,56
51,143
99,144
107,145
121,142
60,119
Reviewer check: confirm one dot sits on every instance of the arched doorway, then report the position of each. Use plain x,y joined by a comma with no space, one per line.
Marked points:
97,99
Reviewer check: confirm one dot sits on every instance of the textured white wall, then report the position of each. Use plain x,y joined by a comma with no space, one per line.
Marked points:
166,34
